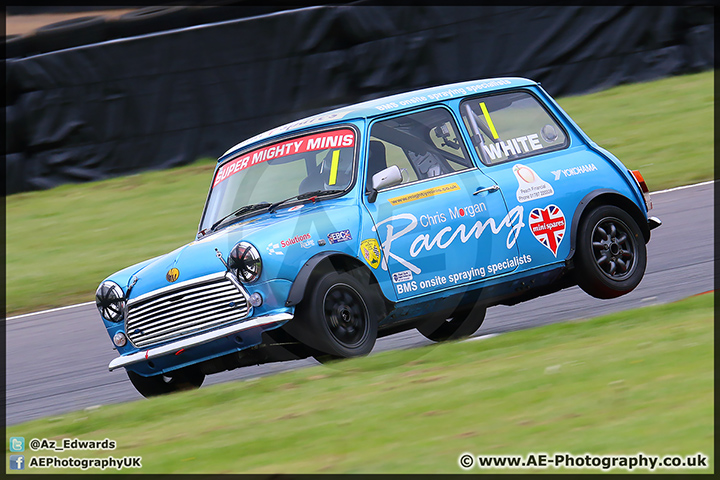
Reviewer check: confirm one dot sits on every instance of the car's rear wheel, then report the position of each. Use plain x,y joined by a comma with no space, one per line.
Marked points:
461,323
339,317
188,378
610,253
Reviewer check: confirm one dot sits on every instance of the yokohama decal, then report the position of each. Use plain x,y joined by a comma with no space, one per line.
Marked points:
548,226
333,139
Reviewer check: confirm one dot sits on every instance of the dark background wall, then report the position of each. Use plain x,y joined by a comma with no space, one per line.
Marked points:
157,100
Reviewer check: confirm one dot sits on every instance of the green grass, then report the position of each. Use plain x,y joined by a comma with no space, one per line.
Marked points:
663,128
636,381
61,243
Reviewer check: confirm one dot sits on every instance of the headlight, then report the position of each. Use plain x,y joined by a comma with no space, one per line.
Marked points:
110,301
245,262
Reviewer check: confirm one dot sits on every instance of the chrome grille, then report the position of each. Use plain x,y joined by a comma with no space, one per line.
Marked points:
183,309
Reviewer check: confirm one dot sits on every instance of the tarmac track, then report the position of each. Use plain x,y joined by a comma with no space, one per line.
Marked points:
57,360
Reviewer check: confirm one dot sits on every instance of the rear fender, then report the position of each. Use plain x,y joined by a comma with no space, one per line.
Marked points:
605,196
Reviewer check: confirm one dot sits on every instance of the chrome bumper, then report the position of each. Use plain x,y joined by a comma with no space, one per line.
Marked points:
654,222
206,337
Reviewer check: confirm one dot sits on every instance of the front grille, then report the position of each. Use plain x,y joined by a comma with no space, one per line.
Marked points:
190,307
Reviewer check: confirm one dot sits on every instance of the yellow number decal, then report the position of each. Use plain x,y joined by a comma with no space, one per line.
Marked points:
334,167
489,120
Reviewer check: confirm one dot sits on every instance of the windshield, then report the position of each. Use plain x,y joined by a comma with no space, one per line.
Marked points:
309,163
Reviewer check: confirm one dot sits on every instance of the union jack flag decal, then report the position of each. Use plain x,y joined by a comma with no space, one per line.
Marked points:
548,226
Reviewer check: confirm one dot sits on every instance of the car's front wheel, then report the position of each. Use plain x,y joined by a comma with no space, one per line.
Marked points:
339,317
187,378
611,255
461,323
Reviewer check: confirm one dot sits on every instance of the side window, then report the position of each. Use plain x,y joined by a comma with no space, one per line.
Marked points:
424,144
445,138
395,155
510,126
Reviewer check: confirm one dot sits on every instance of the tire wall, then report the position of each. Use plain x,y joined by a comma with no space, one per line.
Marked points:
166,99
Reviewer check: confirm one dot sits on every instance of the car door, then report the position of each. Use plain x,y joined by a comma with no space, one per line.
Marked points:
447,223
524,148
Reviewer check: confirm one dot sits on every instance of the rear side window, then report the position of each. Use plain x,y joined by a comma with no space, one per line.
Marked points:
510,126
424,144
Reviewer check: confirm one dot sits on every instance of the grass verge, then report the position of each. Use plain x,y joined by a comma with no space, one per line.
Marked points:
62,242
636,381
663,128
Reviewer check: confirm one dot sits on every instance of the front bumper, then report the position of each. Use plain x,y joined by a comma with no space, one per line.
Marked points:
177,346
654,222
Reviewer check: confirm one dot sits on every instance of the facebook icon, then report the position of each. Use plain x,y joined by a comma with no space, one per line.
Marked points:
17,462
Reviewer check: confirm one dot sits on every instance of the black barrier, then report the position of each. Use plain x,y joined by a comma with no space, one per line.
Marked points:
164,100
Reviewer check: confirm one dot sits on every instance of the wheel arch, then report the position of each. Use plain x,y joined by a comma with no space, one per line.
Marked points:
606,196
323,262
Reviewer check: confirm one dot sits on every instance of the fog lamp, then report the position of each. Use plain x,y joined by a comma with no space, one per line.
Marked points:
256,299
120,339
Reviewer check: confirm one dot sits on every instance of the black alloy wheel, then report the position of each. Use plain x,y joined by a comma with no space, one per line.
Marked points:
611,254
338,318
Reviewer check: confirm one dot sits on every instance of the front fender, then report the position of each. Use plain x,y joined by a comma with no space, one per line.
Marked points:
340,260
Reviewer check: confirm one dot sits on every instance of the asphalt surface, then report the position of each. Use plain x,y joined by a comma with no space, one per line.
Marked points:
57,361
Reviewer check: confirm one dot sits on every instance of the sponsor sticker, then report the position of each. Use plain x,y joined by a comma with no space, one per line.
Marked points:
274,249
530,185
305,241
340,138
341,236
296,207
172,275
548,226
371,252
569,172
400,277
430,192
512,223
294,240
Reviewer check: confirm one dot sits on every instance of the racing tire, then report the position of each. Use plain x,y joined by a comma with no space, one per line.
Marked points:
610,256
463,322
338,318
187,378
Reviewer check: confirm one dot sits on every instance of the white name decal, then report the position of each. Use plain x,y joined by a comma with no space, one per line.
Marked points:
514,146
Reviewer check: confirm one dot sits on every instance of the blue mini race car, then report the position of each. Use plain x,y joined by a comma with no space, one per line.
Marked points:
418,210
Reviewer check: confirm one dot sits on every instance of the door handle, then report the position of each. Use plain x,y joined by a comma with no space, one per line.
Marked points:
487,189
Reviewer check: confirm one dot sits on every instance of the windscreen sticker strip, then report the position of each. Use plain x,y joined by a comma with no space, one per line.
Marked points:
333,139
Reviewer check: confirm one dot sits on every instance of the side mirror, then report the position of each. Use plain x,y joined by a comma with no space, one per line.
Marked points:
389,177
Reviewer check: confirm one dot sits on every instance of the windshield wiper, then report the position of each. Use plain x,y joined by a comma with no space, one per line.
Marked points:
240,211
303,196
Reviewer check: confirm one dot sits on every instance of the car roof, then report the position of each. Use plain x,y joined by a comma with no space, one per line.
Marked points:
391,103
